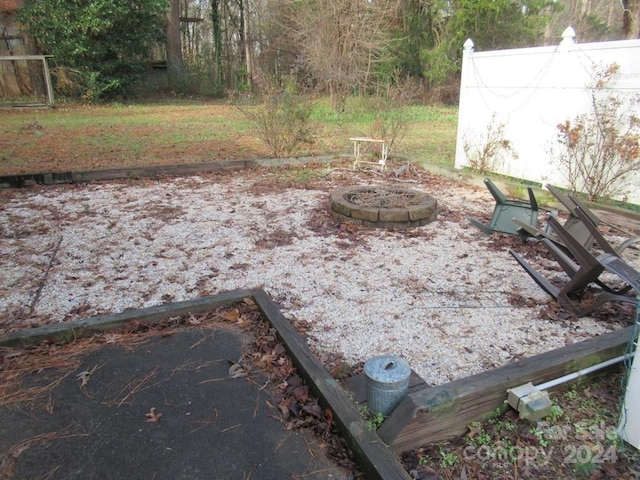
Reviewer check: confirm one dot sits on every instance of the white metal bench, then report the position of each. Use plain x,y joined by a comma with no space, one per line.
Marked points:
358,141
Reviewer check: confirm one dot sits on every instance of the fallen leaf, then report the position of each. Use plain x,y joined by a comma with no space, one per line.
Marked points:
112,337
230,316
329,414
475,429
284,406
152,416
313,410
85,376
249,301
301,393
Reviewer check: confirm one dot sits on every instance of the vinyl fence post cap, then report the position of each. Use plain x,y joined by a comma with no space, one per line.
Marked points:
468,45
569,36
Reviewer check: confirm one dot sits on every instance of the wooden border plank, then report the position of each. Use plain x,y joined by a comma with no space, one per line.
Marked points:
157,171
374,457
444,411
86,326
428,415
152,171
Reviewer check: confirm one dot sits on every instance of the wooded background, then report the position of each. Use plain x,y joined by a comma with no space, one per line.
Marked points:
337,47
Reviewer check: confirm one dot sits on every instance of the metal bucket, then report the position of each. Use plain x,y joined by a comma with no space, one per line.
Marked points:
387,382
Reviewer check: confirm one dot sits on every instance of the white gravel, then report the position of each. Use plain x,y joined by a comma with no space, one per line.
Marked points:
438,296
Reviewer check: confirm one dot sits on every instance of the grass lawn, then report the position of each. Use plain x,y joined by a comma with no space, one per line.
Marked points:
79,137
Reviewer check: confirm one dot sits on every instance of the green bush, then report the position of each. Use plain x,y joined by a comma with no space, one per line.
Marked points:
105,43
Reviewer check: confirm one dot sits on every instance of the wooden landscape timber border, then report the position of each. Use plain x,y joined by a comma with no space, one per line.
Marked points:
153,171
444,412
84,176
373,456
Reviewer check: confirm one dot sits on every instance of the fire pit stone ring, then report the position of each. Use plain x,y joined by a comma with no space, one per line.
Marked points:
384,207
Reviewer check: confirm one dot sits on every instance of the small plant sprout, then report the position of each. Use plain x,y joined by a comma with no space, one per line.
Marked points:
448,459
556,413
373,420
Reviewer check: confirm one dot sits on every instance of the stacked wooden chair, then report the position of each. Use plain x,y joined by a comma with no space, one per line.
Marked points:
573,225
582,227
571,245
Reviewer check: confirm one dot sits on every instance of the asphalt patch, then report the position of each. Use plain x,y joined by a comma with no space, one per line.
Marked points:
172,407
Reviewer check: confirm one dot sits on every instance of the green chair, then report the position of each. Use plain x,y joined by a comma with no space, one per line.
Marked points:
506,211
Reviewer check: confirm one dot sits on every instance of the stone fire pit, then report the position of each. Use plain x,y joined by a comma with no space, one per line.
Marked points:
384,207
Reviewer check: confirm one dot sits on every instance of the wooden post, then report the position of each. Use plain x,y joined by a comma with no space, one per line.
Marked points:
47,80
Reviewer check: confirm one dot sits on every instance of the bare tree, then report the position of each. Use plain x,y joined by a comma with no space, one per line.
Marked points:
216,21
243,6
595,20
341,40
630,13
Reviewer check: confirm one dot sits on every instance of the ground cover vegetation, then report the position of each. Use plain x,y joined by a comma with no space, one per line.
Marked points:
578,440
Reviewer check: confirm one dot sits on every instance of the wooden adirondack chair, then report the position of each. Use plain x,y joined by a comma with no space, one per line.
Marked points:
574,225
582,269
583,214
582,224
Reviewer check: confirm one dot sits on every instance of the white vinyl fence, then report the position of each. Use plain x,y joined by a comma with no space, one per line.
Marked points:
521,96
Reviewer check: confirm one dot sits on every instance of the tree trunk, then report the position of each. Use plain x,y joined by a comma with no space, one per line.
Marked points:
336,97
217,42
627,18
248,57
174,44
